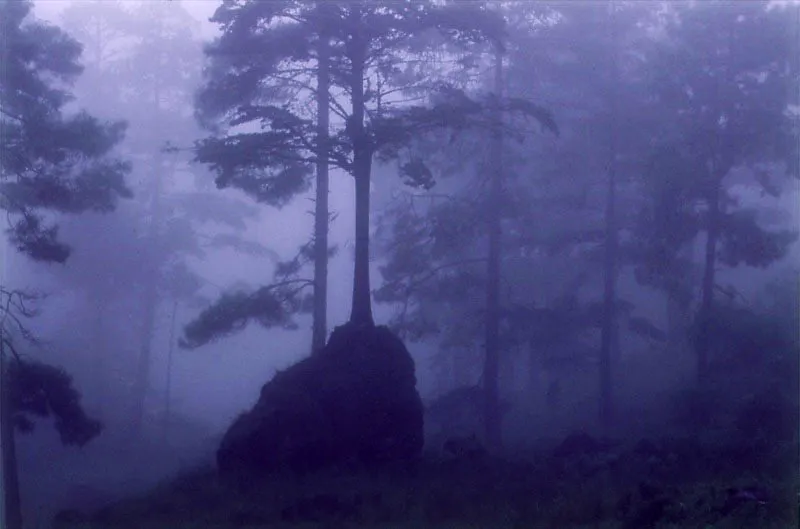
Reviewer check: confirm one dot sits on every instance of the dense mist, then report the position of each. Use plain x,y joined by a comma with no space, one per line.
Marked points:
541,257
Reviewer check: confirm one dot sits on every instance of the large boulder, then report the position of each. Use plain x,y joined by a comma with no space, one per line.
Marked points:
354,401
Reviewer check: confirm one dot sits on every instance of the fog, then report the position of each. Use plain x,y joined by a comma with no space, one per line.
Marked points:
538,234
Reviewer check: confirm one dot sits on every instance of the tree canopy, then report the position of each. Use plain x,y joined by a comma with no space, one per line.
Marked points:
51,161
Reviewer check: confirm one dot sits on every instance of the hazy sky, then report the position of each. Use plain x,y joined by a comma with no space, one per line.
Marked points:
200,9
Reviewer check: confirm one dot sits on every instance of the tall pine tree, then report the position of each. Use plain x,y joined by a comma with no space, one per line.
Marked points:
365,43
728,73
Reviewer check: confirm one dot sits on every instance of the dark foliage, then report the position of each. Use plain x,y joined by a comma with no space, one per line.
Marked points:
453,110
270,306
42,391
744,339
49,162
274,305
457,412
632,486
745,242
465,448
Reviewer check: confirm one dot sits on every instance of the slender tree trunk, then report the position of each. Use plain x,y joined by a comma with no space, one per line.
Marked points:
609,324
100,353
492,418
319,331
674,321
141,382
535,368
12,502
362,165
609,331
679,300
168,392
709,272
150,297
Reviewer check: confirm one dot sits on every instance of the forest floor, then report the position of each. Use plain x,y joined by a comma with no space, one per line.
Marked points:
649,484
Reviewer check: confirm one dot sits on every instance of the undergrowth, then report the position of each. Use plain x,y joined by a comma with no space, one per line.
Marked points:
663,485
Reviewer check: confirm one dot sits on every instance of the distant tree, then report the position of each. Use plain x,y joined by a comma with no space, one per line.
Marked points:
162,59
553,234
726,72
605,45
48,162
175,217
453,223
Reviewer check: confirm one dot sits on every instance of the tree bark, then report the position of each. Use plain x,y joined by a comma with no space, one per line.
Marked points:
319,331
361,313
492,418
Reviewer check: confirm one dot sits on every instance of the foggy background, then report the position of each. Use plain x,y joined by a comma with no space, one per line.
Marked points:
212,384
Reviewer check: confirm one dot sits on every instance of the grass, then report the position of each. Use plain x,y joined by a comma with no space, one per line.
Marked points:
686,488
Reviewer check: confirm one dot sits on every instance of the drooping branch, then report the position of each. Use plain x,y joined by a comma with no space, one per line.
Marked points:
270,306
453,110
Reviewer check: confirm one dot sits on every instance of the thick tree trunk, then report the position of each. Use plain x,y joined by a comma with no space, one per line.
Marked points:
492,418
12,503
362,300
709,272
362,165
319,331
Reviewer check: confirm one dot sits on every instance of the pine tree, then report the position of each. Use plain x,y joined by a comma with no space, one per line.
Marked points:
364,42
282,170
49,162
731,72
